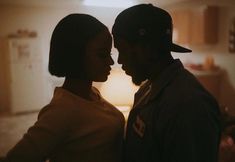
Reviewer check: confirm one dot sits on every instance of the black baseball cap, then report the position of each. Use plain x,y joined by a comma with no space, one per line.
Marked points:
145,22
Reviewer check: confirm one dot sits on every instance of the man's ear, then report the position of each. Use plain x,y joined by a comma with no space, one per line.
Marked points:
143,52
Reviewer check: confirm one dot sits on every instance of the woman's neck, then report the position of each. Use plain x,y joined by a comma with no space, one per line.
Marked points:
78,87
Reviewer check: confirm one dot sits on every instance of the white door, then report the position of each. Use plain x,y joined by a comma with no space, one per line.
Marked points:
27,76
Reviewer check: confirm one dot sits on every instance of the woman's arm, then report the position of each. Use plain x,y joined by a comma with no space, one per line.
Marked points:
43,138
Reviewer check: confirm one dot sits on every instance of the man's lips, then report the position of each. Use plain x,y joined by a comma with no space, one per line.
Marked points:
126,71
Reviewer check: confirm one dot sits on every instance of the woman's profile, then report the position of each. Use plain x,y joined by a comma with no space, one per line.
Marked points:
78,125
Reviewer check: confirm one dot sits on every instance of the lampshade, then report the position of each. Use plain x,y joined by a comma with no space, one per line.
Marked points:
119,89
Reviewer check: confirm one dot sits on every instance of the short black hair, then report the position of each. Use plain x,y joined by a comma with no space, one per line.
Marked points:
68,43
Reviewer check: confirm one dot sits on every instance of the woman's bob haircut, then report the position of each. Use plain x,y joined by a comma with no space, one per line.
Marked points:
68,43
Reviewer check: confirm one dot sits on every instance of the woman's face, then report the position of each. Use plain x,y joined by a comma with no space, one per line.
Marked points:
98,57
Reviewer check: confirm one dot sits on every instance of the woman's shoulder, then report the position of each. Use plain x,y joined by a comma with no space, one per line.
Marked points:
51,109
58,108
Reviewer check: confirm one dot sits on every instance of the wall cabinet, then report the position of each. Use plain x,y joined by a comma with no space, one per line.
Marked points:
195,26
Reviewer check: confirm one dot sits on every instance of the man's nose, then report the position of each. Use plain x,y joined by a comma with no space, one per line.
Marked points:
111,62
119,60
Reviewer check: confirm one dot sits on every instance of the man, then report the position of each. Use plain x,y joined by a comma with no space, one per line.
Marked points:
174,119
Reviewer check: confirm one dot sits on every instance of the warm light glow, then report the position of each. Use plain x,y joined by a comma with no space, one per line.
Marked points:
109,3
119,89
125,110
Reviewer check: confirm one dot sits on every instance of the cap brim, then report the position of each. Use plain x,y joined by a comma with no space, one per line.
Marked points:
180,49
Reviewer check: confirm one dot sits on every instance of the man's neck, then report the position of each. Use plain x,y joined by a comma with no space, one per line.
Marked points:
158,67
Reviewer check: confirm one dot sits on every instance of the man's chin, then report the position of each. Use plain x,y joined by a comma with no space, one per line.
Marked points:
127,73
137,81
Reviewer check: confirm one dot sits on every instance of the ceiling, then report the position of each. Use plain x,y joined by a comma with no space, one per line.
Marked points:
76,2
79,2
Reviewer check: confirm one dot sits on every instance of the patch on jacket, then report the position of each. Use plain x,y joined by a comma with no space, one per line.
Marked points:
139,126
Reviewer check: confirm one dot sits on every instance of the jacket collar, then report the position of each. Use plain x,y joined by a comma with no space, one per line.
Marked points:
152,88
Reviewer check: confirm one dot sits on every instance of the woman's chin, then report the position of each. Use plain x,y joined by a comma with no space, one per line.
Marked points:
101,79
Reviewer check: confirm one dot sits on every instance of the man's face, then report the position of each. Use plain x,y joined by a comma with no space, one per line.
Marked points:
133,60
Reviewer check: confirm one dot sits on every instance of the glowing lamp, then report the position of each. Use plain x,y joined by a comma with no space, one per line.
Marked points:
119,90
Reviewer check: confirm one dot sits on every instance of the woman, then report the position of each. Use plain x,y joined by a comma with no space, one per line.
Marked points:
78,124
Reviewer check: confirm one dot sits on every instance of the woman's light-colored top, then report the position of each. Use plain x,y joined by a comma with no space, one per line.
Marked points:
73,129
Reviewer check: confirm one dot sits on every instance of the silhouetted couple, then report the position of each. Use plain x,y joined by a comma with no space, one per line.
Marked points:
173,119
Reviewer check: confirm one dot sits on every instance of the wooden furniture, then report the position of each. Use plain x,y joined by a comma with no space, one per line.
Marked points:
195,26
210,80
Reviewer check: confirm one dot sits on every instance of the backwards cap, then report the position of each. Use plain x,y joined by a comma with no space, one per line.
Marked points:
145,22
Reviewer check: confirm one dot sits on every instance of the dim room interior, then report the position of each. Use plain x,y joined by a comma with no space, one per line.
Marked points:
205,26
